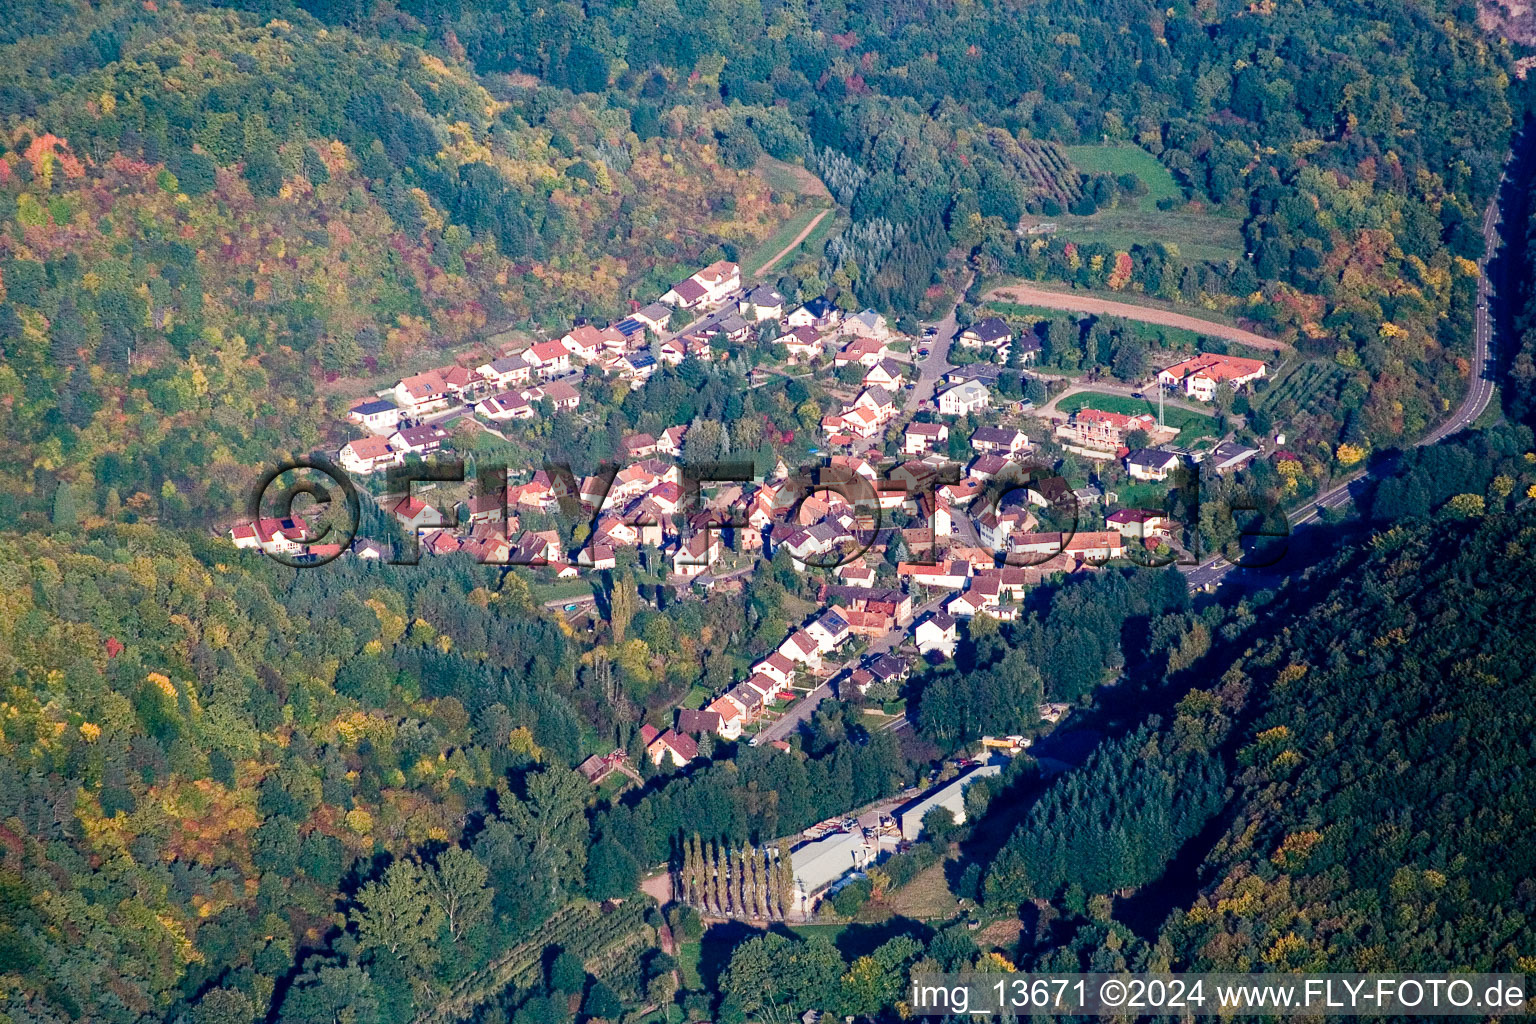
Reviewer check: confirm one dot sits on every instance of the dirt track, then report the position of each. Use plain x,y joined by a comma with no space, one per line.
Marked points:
792,245
1075,302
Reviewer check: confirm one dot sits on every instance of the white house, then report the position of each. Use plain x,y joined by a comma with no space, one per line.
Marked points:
936,633
1199,377
376,414
964,399
368,455
1151,464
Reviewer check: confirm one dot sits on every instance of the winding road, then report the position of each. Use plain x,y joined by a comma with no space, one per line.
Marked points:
1479,393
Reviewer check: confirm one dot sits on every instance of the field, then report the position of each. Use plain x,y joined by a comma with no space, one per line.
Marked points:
1199,234
1190,425
786,177
1128,159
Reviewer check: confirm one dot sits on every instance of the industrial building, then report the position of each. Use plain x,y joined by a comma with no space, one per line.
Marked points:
821,863
951,796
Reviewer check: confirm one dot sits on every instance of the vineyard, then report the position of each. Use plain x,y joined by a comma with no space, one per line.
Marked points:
601,935
1043,166
745,882
1301,389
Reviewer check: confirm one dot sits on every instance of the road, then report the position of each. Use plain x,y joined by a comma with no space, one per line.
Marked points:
802,710
1076,302
932,369
1479,394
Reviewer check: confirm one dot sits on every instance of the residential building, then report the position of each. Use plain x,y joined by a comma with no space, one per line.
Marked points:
1151,464
419,440
1201,376
276,536
549,358
763,303
1103,432
506,371
677,747
963,399
376,414
1228,456
991,333
1005,441
819,312
803,344
686,294
368,455
655,316
922,438
936,633
422,393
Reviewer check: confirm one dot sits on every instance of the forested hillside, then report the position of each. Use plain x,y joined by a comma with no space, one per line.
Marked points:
1376,810
207,217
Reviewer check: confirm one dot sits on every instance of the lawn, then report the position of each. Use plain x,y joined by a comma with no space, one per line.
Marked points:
561,590
688,955
786,177
1128,159
1190,425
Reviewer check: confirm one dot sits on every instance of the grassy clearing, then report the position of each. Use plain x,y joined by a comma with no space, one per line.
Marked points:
927,897
787,177
1190,425
771,246
561,590
688,956
1197,234
1128,159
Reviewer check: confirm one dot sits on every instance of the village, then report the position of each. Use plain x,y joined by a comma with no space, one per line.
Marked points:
913,525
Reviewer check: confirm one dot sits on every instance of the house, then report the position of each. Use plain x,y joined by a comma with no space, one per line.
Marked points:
936,633
679,748
982,373
950,797
867,324
803,344
886,373
1228,456
637,366
655,316
864,351
376,414
818,865
459,380
561,395
415,514
991,333
508,406
922,438
685,294
1137,522
951,575
506,371
1028,347
1199,377
671,352
988,467
1151,464
732,716
696,723
819,312
829,630
422,393
856,574
550,358
963,399
671,441
802,647
763,303
369,454
419,440
719,279
1099,434
734,328
887,668
276,536
776,667
585,342
1087,546
1005,441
